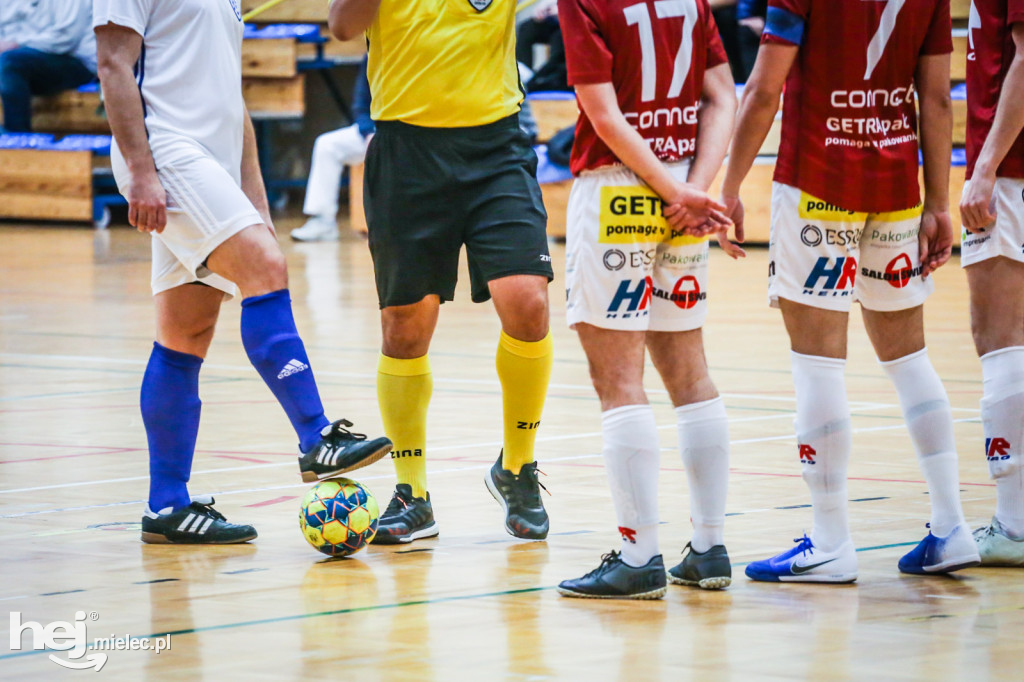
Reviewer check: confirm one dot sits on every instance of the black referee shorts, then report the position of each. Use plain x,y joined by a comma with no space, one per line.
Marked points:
428,191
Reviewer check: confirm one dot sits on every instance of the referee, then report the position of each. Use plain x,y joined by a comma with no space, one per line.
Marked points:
449,166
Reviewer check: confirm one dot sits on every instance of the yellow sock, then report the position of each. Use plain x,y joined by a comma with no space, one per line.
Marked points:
403,393
524,368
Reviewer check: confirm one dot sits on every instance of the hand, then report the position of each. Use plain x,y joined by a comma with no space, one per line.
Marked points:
734,211
755,24
976,206
935,240
147,203
692,211
6,45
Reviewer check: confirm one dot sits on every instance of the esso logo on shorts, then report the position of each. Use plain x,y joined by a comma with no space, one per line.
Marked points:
614,259
810,235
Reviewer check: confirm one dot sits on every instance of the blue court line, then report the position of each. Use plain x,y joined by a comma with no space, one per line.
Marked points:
380,607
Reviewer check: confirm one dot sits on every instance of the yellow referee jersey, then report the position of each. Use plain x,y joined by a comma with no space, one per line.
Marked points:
443,63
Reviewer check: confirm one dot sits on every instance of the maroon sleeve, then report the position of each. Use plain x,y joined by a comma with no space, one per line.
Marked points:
940,33
587,55
716,50
1014,11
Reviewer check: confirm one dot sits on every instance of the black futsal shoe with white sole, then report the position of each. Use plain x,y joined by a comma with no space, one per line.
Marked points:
615,579
338,451
407,518
197,524
519,496
708,570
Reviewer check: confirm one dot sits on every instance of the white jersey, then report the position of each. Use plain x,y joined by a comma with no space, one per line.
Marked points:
189,74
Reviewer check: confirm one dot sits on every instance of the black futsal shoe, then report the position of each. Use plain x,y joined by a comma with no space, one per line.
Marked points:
407,518
519,496
615,579
338,451
197,524
710,570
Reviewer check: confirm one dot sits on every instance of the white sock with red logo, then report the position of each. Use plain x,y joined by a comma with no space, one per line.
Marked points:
632,458
704,446
930,422
1002,413
824,441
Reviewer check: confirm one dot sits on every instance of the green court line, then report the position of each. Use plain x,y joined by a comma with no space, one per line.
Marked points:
380,607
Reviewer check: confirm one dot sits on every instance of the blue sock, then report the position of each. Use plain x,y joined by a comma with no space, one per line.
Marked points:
277,353
170,411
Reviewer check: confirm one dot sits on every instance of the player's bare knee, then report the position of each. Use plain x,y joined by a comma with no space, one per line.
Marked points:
530,320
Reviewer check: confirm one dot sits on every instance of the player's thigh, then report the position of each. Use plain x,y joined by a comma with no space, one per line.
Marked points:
251,258
206,207
895,334
610,254
891,275
506,224
813,251
997,303
616,361
415,225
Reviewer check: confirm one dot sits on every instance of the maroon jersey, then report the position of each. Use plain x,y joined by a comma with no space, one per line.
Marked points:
655,55
849,127
991,49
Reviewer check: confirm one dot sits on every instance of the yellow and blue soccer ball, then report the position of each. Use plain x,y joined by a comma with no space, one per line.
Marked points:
339,516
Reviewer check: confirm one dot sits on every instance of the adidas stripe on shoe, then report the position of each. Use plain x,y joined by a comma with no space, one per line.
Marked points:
340,450
197,524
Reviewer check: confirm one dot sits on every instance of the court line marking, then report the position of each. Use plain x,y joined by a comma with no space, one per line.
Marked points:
381,607
442,448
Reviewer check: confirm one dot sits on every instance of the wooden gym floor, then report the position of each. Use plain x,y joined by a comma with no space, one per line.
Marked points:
475,604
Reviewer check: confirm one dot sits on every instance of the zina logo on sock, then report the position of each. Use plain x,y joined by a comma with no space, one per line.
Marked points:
293,367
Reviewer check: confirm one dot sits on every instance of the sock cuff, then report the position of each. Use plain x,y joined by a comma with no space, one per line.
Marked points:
527,349
280,294
704,410
176,358
905,360
816,361
412,367
626,412
1002,351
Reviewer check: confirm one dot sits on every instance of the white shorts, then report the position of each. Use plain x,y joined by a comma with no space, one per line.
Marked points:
205,207
625,268
827,257
1006,236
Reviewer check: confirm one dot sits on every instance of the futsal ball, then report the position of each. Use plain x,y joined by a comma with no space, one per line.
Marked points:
339,516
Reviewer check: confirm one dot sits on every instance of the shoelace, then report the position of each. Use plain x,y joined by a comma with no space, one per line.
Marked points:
528,494
805,544
339,431
393,506
606,559
208,510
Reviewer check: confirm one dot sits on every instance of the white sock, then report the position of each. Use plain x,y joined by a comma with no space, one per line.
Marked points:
704,446
633,460
824,439
1002,414
930,422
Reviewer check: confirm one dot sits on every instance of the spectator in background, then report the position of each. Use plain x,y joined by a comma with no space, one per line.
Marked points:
542,29
331,153
750,15
724,12
50,47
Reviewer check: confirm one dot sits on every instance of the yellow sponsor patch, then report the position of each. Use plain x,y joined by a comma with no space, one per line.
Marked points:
812,208
632,214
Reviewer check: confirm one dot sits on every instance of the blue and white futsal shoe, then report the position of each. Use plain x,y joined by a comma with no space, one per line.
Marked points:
942,555
806,563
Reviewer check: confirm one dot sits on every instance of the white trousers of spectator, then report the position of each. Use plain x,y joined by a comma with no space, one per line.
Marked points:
331,153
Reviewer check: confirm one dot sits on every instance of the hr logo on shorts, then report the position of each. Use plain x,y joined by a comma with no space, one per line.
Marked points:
839,278
637,299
